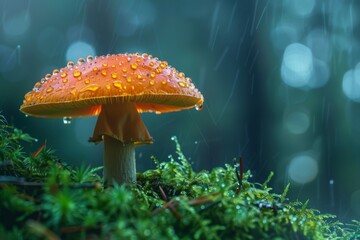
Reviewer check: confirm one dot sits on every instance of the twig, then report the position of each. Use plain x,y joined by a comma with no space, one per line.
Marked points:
171,208
239,171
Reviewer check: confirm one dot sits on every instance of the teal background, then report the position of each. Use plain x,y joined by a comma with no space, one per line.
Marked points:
234,52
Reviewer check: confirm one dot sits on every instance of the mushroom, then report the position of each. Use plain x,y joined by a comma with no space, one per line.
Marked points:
117,88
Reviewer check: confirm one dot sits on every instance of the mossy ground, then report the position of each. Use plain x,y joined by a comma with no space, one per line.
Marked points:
41,197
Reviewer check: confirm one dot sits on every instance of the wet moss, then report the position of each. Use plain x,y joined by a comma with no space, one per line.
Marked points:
41,197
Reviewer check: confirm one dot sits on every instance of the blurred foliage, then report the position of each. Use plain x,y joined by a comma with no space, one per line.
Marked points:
43,198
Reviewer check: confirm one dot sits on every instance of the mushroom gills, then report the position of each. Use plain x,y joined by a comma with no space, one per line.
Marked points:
121,122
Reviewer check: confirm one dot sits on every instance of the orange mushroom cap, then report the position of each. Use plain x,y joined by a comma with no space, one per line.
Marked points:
80,89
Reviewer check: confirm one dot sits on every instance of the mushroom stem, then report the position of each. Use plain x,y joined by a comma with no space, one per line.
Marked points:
119,161
122,129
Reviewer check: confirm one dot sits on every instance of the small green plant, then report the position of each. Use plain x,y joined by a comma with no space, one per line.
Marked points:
41,197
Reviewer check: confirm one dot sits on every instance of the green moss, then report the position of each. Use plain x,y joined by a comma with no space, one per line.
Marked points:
44,198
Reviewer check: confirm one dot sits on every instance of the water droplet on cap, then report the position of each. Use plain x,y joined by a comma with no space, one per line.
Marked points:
47,76
158,70
70,64
80,61
198,107
55,71
114,75
67,120
63,74
92,88
89,58
133,66
76,73
163,64
50,89
182,84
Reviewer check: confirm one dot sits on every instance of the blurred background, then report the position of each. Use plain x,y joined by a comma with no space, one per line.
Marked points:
281,82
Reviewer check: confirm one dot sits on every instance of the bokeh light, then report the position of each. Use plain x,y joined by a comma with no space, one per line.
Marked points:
302,8
78,50
297,65
297,122
303,168
16,24
351,84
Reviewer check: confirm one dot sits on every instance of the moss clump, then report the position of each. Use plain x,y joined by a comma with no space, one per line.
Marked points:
43,198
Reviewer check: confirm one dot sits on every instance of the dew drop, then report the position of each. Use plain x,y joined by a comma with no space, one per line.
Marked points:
124,70
182,84
158,70
103,72
70,64
113,66
139,77
55,71
67,120
65,80
152,75
163,82
89,58
188,79
95,69
42,80
50,89
114,75
181,74
151,64
163,64
80,61
129,79
138,60
47,76
76,73
104,65
91,88
198,107
108,87
63,74
87,81
133,66
152,82
117,84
